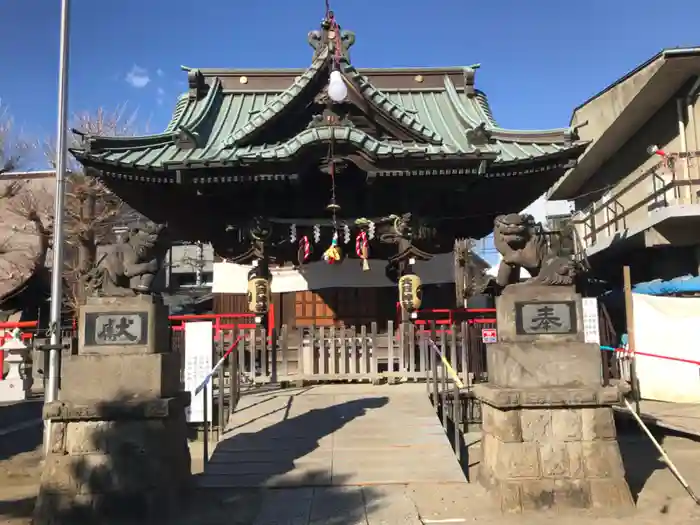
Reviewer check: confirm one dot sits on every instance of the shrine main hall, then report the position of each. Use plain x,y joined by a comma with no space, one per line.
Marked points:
336,180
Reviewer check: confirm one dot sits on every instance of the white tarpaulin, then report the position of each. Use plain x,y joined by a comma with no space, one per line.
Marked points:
667,326
233,278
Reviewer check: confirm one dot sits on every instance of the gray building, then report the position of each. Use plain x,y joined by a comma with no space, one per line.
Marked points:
636,188
188,276
189,266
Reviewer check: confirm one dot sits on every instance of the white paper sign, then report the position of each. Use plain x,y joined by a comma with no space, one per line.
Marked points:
591,323
199,346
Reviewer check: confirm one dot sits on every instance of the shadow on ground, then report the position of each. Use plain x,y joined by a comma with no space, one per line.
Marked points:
17,415
639,455
229,489
111,468
126,459
464,446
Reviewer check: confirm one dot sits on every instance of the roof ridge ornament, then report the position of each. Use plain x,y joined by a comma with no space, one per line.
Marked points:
326,38
469,73
479,135
185,138
196,84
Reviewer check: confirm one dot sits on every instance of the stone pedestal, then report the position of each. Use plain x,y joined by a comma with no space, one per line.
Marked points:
118,436
549,438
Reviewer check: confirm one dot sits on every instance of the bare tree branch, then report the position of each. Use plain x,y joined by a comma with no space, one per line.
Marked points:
13,148
27,214
91,210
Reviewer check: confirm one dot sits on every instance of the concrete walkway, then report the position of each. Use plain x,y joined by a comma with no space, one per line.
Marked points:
331,436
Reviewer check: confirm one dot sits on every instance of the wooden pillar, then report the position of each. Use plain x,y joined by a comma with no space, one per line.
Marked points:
629,315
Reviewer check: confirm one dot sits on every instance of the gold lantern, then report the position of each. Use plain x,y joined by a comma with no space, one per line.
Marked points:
410,292
258,295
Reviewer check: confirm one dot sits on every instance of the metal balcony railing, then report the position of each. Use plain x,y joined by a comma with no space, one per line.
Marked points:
619,209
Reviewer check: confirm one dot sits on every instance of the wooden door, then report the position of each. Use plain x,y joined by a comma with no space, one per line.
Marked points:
345,306
311,308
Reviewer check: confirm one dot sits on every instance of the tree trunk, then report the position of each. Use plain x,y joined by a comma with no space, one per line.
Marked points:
87,248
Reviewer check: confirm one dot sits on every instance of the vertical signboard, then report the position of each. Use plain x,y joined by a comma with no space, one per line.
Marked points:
199,346
591,323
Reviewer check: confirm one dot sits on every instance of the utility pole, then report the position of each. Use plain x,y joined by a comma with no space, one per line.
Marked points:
59,213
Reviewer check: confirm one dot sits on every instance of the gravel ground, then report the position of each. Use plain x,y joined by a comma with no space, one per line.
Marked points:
19,478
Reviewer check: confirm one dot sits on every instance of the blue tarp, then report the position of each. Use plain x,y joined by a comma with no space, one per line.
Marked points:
685,284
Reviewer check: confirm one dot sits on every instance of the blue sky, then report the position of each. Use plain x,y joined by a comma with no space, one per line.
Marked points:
539,59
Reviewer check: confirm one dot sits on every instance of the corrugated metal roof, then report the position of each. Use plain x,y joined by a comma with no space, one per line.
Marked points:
225,127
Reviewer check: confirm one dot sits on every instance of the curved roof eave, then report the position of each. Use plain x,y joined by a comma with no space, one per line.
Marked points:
362,85
277,104
371,146
387,107
478,113
183,120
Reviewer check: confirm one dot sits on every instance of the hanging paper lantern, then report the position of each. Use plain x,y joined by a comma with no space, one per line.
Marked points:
258,295
410,292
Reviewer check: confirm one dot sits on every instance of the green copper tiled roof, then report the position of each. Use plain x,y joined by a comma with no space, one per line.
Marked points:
225,128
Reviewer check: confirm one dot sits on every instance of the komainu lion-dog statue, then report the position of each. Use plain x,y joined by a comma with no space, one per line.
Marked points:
129,266
522,243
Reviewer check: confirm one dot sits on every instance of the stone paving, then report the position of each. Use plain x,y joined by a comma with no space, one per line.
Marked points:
334,435
660,498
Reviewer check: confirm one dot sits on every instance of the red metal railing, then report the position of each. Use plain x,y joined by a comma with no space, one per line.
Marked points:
4,327
225,321
450,316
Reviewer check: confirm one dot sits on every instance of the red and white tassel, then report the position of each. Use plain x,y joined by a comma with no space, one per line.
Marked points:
362,250
305,248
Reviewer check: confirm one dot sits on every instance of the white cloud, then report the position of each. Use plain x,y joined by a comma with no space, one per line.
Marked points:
161,96
160,72
138,77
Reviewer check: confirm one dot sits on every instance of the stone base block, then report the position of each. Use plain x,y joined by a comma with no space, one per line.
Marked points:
119,376
547,494
503,397
546,456
123,471
128,325
533,365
